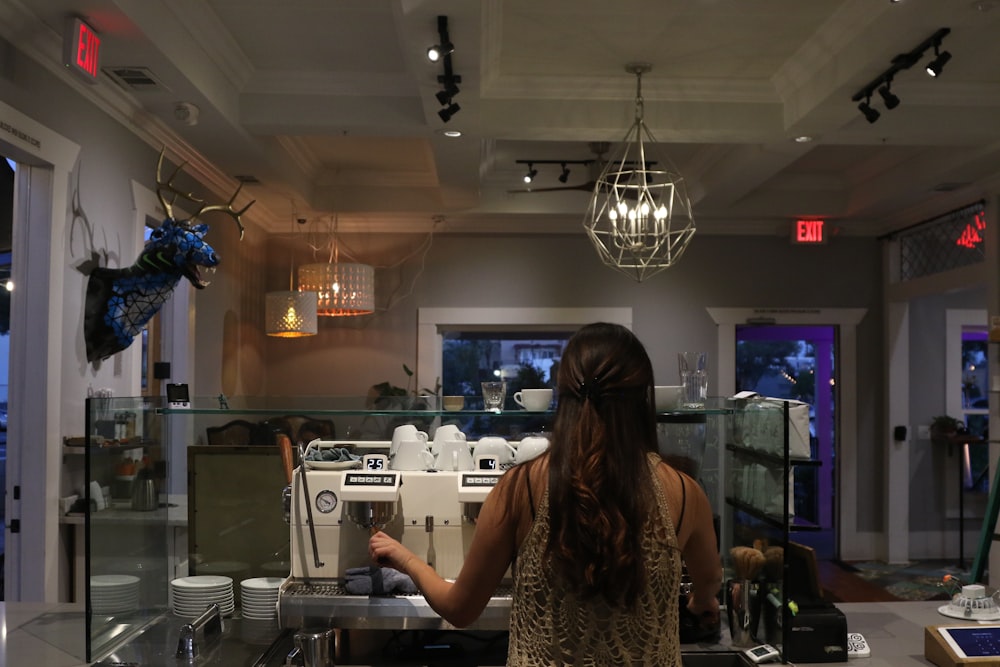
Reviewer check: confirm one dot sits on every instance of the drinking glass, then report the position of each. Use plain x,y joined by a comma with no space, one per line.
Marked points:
494,394
694,378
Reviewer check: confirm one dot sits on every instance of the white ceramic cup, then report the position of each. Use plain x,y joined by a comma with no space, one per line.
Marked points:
494,446
530,447
405,432
536,400
667,397
454,455
444,433
412,455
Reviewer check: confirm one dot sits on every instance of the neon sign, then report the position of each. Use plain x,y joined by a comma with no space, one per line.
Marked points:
972,236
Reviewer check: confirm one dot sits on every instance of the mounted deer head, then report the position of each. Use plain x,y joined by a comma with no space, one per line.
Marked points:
121,301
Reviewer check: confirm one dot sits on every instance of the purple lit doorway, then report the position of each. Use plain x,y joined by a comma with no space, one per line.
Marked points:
799,362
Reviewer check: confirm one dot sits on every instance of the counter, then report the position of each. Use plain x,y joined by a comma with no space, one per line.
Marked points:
894,630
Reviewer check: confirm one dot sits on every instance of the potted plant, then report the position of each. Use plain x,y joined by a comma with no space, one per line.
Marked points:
944,428
387,396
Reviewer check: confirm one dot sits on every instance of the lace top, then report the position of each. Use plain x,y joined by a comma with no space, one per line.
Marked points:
550,626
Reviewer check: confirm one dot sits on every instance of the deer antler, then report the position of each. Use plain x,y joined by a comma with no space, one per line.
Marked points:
228,209
168,186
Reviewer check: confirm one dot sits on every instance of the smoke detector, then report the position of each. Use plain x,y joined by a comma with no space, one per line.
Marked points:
187,113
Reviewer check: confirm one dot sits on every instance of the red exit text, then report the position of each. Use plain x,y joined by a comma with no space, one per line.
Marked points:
809,232
81,52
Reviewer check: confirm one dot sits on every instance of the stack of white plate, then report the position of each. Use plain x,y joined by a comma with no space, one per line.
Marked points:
114,593
260,597
191,595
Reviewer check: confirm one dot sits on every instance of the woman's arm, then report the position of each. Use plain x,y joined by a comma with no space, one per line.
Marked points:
701,554
490,554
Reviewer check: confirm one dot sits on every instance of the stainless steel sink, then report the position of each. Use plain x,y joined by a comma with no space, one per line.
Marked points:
714,659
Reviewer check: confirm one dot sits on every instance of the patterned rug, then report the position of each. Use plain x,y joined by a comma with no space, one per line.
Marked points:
919,580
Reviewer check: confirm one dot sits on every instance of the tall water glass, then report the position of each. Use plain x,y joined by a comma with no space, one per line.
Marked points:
694,378
494,394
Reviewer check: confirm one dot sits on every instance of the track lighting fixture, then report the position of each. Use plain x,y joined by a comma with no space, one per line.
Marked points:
941,58
449,91
883,82
531,172
449,111
871,115
439,51
891,101
448,79
444,47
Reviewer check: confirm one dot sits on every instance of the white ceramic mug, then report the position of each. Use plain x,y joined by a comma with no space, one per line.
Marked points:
536,400
405,432
444,433
530,447
667,397
454,455
495,446
412,455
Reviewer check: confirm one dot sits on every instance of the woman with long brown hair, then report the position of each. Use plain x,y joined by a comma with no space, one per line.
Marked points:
595,529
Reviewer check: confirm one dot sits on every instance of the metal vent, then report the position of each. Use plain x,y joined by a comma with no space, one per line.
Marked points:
138,79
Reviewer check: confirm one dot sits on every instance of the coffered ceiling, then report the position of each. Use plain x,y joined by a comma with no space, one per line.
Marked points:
330,105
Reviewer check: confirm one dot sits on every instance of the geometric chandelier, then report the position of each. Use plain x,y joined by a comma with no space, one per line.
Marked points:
639,218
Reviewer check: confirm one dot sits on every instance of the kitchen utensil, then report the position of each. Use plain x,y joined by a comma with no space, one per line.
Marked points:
144,496
315,646
536,400
530,447
494,394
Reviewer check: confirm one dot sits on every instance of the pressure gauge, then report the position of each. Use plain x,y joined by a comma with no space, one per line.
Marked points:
326,501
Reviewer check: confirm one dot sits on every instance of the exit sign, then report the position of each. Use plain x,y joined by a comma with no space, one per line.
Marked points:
809,232
81,49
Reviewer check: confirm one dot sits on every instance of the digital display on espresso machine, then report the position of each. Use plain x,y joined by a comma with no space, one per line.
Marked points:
488,463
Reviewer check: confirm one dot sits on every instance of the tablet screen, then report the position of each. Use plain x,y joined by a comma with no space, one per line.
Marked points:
974,641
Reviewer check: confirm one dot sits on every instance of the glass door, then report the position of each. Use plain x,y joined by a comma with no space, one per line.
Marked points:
799,362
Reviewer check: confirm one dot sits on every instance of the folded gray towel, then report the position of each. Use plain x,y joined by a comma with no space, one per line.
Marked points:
333,454
374,580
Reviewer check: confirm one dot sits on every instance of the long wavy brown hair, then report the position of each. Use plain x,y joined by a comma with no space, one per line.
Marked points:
600,490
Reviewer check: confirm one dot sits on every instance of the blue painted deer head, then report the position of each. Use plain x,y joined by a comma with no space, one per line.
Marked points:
121,301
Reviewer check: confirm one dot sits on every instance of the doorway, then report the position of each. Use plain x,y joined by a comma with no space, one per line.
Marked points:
798,363
7,170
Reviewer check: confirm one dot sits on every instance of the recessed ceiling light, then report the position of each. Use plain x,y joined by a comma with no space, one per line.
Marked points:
803,139
449,133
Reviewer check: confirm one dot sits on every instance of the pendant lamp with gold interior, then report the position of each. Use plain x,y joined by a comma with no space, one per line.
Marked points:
290,314
639,218
342,288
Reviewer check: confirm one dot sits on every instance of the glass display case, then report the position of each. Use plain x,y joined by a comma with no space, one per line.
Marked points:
768,573
195,488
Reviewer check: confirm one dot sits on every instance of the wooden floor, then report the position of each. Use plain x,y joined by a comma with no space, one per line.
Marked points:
840,585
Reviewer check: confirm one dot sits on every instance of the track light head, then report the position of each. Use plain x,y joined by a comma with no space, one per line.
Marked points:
870,114
891,100
449,90
564,176
935,66
529,176
449,111
439,51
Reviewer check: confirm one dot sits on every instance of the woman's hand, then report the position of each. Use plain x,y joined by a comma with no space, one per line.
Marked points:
387,552
706,611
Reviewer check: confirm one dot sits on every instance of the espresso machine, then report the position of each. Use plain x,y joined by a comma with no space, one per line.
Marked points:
333,512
